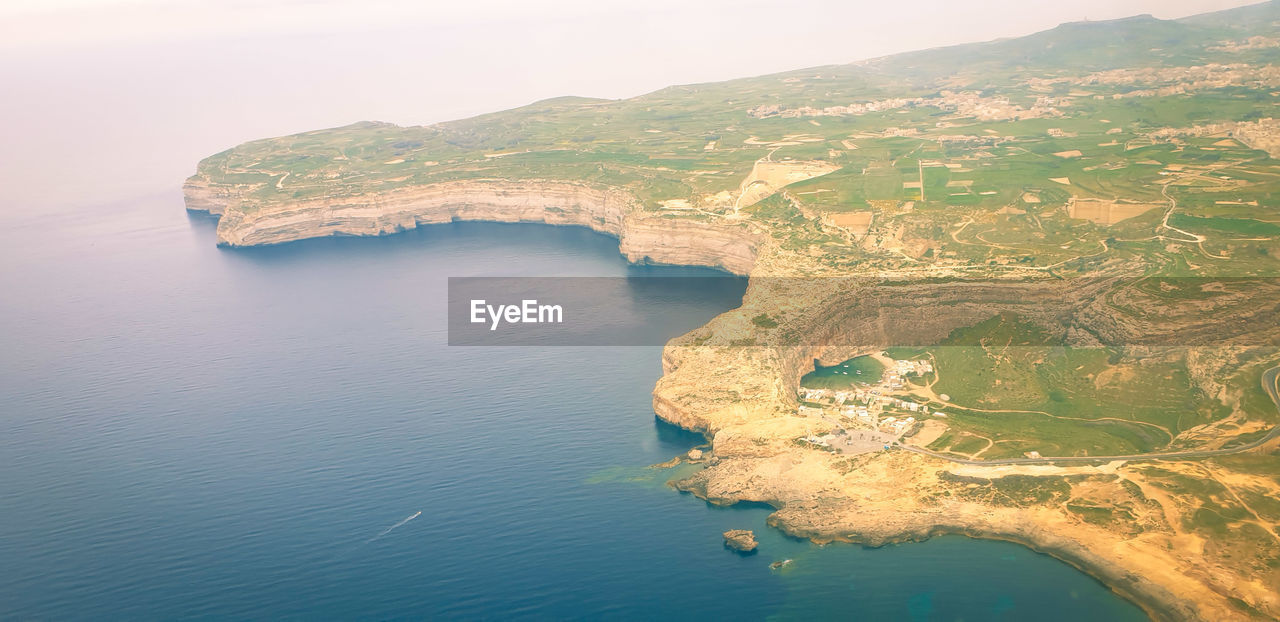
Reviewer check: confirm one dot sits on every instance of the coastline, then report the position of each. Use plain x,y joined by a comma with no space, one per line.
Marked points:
1157,603
1156,607
681,397
642,238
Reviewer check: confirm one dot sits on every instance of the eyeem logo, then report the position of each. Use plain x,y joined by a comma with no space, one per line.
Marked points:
527,312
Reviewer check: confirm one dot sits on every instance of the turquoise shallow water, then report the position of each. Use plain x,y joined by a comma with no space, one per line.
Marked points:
195,432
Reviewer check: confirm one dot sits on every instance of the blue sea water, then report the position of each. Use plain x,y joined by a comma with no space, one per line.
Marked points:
194,432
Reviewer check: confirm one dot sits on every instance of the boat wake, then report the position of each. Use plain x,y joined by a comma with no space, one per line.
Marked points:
393,527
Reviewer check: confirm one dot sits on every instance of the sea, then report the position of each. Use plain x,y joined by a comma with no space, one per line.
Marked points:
192,432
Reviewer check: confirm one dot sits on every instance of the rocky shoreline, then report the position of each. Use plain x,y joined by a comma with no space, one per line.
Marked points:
1156,602
873,529
642,238
741,397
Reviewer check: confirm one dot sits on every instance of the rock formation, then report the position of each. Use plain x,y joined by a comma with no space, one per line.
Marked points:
740,540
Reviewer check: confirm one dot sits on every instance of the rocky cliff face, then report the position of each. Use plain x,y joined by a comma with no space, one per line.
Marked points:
202,196
642,238
736,380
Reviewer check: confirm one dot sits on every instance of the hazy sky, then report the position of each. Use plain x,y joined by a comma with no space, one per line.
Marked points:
103,98
839,31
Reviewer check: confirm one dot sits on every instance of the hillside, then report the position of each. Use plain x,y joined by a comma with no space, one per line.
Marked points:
1075,232
1007,135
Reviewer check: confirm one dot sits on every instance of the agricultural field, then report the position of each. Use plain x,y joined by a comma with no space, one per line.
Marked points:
1010,391
1057,163
1137,147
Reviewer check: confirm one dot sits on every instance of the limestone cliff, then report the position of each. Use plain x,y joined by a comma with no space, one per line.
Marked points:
642,238
736,382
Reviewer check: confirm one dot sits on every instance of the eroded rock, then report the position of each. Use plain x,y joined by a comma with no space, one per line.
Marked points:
740,540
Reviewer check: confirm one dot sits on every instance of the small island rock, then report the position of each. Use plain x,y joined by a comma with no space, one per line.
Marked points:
740,540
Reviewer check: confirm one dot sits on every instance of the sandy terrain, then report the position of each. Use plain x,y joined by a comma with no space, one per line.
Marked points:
768,177
1107,212
856,223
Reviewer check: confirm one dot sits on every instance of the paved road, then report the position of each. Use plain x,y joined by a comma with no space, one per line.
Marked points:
1270,384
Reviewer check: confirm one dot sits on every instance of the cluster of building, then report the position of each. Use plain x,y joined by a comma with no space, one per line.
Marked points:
964,103
1171,80
879,419
1262,134
765,111
998,108
918,367
897,426
1256,42
972,141
866,403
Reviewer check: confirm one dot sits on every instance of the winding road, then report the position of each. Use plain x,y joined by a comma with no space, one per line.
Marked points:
1270,384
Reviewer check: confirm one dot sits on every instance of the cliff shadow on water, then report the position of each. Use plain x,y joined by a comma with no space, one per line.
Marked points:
677,438
513,237
203,223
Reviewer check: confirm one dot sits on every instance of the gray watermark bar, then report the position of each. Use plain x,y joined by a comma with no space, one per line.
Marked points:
855,311
584,311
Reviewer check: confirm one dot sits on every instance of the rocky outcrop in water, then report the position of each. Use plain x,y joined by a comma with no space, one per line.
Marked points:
740,540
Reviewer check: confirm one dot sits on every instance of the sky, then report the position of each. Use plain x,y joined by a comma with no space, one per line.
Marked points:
806,30
108,98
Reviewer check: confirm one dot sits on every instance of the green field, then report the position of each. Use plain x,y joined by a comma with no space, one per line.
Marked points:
1009,386
1137,147
973,164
